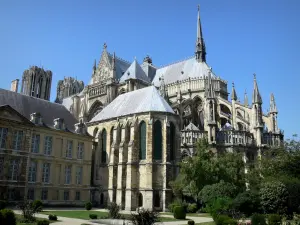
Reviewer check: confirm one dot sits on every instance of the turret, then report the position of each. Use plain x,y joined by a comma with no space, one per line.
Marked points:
233,100
257,120
273,113
200,52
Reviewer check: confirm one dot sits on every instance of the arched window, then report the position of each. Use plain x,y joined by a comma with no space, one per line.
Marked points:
103,146
142,132
101,199
156,199
140,200
172,141
157,134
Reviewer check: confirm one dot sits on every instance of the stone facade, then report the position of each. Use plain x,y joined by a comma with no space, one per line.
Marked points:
67,87
36,82
39,160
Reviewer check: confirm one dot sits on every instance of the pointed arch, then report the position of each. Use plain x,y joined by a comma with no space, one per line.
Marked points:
103,145
95,108
140,198
142,140
157,135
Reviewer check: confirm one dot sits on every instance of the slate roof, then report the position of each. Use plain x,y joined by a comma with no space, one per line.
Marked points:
135,71
190,68
143,100
121,65
27,105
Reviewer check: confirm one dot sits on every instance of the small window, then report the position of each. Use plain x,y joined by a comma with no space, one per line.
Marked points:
3,135
66,195
30,194
156,199
48,145
77,196
69,149
44,195
17,141
68,174
35,143
46,173
140,200
79,175
32,172
80,150
14,170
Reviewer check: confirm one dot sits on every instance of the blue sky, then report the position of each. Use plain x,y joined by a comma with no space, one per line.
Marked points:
242,37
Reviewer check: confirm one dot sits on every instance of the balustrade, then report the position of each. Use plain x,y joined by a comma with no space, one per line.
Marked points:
233,137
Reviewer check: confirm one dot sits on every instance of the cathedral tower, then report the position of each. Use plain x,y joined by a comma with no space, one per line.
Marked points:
36,82
67,87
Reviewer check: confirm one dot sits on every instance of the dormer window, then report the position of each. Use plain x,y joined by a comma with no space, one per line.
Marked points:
59,124
36,118
80,128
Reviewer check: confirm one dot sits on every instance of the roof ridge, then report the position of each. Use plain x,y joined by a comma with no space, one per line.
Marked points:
178,61
119,58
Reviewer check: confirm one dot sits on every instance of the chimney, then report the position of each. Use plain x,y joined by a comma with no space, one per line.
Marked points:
14,85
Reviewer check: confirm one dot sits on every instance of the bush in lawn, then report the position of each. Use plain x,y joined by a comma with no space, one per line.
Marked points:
258,219
52,217
114,211
88,206
37,205
145,217
43,222
191,222
274,197
179,213
3,204
247,203
177,202
274,219
93,216
8,217
192,208
224,219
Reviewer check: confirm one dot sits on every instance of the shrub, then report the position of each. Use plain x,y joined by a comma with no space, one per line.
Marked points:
191,222
114,211
93,216
219,206
3,204
274,197
247,203
220,219
52,217
145,217
222,189
37,205
179,213
274,219
88,206
43,222
192,208
177,203
258,219
28,210
8,217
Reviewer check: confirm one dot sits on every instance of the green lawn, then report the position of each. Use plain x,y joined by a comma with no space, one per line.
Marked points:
83,214
206,223
189,214
20,218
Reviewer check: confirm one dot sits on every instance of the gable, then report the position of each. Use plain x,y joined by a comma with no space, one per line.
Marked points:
103,70
8,113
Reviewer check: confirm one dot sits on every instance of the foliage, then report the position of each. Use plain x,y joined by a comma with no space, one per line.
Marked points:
177,202
93,216
29,209
222,189
8,217
273,196
179,212
192,208
52,217
114,211
216,206
224,219
207,168
3,204
88,206
258,219
144,217
274,219
191,222
37,205
43,222
247,203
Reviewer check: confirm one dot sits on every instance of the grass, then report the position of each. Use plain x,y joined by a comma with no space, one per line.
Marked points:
83,214
206,223
189,214
20,218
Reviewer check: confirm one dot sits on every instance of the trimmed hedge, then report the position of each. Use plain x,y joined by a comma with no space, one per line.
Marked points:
93,216
258,219
43,222
179,213
8,217
52,217
88,206
191,222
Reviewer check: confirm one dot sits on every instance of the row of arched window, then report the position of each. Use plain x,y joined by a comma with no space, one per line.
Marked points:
157,135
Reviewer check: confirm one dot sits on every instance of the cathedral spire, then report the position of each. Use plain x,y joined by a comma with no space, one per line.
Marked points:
273,108
94,67
233,93
256,98
200,45
246,99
